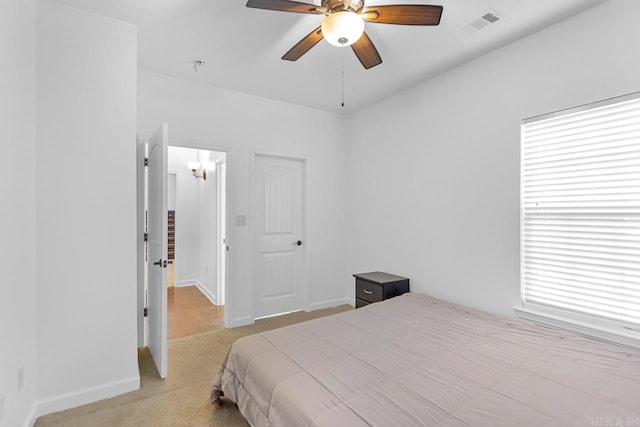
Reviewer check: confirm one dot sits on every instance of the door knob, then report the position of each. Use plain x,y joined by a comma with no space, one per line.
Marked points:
298,243
160,263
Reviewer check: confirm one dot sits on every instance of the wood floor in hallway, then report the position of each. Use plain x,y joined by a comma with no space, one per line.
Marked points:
189,312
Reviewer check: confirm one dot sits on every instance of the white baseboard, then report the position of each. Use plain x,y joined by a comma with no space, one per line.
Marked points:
195,282
81,397
185,283
241,321
329,304
31,417
248,320
207,293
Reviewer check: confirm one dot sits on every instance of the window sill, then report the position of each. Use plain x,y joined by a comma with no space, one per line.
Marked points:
612,333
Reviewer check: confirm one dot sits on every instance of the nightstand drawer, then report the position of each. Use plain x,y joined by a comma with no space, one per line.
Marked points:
369,291
378,286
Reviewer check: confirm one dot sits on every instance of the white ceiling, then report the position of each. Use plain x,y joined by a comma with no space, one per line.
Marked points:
242,47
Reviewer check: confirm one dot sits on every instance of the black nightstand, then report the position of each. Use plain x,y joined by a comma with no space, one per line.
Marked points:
378,286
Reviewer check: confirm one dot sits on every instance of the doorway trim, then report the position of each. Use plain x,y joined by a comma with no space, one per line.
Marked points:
222,227
305,285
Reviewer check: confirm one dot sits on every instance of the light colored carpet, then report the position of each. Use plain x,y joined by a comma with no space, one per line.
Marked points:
182,399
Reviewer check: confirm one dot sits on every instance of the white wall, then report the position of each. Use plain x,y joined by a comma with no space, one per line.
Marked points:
86,203
207,117
187,221
434,171
17,216
207,273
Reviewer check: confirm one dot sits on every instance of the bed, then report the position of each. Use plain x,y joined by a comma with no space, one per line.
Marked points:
417,361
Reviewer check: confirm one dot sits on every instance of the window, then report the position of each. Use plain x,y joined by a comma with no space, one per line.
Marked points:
580,213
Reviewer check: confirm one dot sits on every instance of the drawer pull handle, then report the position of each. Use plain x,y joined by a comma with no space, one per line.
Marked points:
367,291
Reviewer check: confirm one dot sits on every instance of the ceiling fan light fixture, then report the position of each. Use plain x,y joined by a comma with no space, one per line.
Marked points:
342,28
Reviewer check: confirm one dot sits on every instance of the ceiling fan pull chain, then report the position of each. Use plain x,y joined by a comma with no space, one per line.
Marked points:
343,80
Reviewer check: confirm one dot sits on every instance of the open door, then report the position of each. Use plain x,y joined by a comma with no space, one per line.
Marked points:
157,240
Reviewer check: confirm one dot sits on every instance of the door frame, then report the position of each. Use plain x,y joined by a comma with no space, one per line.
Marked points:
222,227
305,285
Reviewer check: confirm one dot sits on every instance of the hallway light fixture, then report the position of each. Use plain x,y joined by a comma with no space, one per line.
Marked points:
199,170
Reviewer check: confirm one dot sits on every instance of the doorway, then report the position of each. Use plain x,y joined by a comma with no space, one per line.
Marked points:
195,302
153,246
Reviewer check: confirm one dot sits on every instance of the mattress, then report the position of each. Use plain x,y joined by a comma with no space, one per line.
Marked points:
417,361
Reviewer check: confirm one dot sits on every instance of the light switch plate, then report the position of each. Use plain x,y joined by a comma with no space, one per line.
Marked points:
241,220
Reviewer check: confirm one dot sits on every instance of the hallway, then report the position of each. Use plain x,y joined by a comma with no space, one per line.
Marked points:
190,312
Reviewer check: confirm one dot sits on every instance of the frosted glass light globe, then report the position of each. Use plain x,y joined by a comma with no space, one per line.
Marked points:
342,28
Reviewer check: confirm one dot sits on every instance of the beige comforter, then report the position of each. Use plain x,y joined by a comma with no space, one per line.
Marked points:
417,361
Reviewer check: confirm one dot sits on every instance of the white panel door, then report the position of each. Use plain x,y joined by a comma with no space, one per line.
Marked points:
279,235
157,221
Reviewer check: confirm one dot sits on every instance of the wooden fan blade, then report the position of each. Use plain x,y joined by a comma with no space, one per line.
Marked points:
403,14
284,6
304,45
366,52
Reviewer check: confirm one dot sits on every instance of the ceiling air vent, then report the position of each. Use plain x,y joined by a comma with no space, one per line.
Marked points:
488,18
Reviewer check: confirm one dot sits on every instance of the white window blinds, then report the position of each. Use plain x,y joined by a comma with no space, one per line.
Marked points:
580,210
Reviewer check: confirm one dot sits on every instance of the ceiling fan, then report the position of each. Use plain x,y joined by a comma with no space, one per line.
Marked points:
344,23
